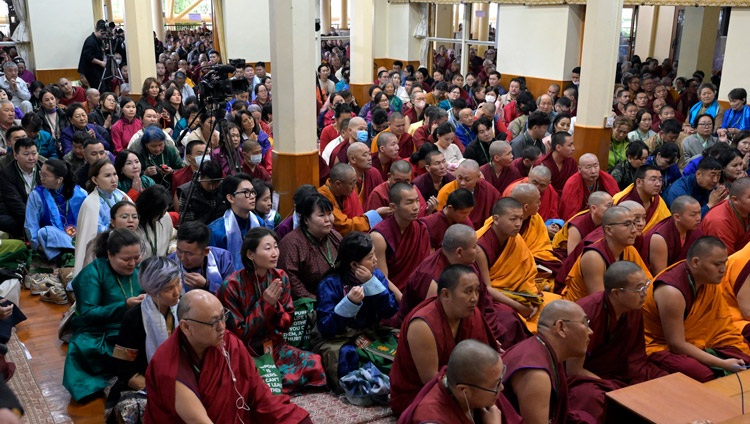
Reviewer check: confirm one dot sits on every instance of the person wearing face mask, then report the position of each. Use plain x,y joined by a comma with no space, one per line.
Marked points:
466,391
354,131
252,157
194,155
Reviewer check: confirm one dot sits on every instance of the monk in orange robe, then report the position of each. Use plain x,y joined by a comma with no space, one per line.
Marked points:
560,160
367,177
736,289
400,172
468,176
688,325
669,240
729,221
348,215
397,127
583,223
590,178
587,275
645,190
498,171
401,241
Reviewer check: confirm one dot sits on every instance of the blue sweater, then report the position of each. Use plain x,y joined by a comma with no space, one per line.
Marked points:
687,185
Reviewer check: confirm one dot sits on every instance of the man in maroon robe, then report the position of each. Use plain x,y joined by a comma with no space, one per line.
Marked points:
340,153
540,176
202,372
560,160
536,383
387,154
669,240
367,177
436,176
456,211
194,149
400,172
468,176
730,219
432,330
401,241
498,171
588,180
582,224
397,127
524,163
433,117
617,349
250,148
472,365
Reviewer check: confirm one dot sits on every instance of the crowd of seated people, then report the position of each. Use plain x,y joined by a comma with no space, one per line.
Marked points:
448,207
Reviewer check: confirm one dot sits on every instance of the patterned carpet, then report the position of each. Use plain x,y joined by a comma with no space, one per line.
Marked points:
328,408
25,386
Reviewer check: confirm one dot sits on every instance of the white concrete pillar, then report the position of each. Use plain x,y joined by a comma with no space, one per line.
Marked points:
361,33
140,41
644,37
483,25
399,42
344,24
601,41
663,34
53,48
108,13
444,20
98,8
157,18
249,42
293,30
699,31
734,72
325,16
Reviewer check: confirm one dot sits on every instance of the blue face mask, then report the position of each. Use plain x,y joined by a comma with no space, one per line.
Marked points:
362,136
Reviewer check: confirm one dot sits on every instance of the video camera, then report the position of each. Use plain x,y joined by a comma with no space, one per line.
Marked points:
107,27
216,86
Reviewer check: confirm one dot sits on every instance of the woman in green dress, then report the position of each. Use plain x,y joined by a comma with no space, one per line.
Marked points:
128,168
105,289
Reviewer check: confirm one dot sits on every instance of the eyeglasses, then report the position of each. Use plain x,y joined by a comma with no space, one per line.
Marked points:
494,391
641,290
629,224
217,323
586,321
246,193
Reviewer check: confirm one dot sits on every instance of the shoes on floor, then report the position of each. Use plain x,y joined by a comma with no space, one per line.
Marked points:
65,276
55,294
41,283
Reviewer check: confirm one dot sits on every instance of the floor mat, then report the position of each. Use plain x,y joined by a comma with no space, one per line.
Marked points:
25,386
328,408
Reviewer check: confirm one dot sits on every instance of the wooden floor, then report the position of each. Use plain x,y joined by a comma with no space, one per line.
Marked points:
39,334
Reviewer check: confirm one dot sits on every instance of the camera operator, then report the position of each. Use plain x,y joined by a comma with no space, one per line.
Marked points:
92,62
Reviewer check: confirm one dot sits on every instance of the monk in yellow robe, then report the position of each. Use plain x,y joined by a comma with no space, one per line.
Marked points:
587,275
582,223
735,288
687,323
507,264
645,190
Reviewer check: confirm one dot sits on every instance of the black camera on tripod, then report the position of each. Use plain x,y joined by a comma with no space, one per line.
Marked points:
108,29
216,85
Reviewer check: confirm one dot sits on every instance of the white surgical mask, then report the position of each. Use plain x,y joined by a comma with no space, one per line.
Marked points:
200,159
256,159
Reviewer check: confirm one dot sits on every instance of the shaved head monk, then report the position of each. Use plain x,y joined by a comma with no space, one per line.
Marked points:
456,211
617,350
540,176
582,224
397,127
728,221
469,177
430,183
348,214
639,215
533,231
431,331
735,287
590,178
470,386
340,153
560,160
400,172
687,323
497,170
387,153
645,190
401,241
669,240
367,177
587,275
536,382
460,247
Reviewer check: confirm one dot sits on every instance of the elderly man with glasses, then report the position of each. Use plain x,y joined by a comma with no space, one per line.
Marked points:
620,232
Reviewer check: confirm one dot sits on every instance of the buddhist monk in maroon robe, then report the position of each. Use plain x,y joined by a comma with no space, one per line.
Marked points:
190,368
578,187
560,160
669,240
461,241
685,316
401,240
340,153
367,177
498,171
468,176
645,191
432,330
617,350
582,224
436,176
540,177
400,172
387,154
397,127
730,219
456,211
472,364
